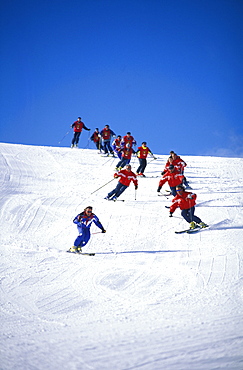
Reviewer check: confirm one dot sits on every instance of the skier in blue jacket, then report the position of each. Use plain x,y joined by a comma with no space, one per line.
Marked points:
84,221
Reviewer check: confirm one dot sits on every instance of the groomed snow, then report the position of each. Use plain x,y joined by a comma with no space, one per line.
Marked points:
149,299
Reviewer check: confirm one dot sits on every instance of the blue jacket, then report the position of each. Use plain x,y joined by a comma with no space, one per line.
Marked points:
84,222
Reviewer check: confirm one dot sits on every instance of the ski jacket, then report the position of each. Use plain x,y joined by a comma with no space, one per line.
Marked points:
126,177
84,222
106,134
174,178
116,144
78,126
178,163
127,153
128,140
95,137
143,152
186,200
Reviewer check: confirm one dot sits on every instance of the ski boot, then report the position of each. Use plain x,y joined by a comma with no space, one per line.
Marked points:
193,225
73,249
203,225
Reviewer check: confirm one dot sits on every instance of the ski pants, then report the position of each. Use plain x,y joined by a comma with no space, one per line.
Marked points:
173,191
83,237
142,165
76,138
188,215
107,147
120,188
122,163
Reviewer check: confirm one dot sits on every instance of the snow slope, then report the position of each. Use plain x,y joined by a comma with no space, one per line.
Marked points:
149,299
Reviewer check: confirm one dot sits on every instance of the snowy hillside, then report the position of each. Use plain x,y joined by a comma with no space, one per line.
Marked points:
149,299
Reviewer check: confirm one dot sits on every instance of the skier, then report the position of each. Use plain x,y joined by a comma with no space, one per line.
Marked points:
126,154
84,221
116,146
128,139
95,137
186,201
126,176
106,135
178,163
174,178
77,126
142,154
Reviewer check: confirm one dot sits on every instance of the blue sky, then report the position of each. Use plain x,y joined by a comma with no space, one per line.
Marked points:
169,71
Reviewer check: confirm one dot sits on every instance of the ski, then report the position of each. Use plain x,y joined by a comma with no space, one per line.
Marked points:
182,231
115,200
192,231
163,195
188,230
83,253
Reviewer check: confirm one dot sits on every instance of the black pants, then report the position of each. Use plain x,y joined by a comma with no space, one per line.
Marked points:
142,165
76,138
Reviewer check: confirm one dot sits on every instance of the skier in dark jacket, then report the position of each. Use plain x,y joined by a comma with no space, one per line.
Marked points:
106,135
96,138
84,221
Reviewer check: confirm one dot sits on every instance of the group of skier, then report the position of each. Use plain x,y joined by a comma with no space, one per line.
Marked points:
173,173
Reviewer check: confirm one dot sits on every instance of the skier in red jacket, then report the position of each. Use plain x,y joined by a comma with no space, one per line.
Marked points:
142,154
178,163
126,176
128,139
186,201
174,178
126,155
77,126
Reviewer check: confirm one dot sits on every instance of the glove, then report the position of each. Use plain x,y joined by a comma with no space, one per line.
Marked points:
115,175
163,172
189,196
171,214
103,231
89,129
136,187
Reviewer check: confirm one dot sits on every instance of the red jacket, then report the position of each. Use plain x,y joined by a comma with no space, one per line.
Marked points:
78,126
128,140
127,153
143,151
117,143
178,163
126,177
95,137
183,202
174,178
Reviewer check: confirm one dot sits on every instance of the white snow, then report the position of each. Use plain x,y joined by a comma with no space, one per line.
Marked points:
149,299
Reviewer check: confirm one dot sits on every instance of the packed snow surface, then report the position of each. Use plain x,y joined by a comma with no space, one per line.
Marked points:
149,299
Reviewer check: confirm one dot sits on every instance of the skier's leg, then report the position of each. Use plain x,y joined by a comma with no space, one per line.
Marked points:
121,189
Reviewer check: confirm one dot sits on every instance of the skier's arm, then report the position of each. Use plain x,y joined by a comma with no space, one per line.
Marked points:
86,128
98,224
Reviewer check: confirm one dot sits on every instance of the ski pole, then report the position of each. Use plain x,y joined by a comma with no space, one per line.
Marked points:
102,186
135,194
63,137
152,160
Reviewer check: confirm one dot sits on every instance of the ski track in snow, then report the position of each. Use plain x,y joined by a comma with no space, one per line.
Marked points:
149,299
